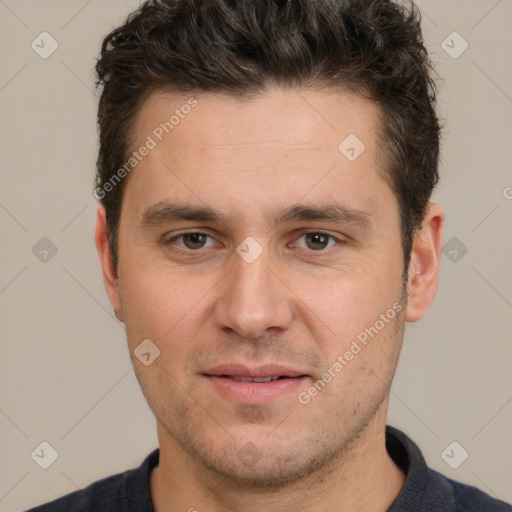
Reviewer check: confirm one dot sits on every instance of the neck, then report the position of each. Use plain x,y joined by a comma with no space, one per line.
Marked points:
363,478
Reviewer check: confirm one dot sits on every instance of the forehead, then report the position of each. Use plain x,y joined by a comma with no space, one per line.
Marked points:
277,147
302,118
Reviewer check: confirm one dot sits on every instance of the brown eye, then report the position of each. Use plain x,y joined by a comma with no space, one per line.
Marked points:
194,240
317,241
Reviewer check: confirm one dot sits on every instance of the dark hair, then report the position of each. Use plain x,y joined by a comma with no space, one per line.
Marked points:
241,47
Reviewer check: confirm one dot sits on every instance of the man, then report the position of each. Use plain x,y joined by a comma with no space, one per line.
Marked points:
265,232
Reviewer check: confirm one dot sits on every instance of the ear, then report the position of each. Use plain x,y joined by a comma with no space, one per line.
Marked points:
110,279
424,263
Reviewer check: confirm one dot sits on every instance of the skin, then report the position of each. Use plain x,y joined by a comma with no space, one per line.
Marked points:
300,303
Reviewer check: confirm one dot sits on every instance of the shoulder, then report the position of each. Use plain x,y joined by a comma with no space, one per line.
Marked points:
426,490
122,492
470,499
93,497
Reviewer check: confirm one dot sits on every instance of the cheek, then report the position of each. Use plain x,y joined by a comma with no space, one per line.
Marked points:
153,301
168,307
350,299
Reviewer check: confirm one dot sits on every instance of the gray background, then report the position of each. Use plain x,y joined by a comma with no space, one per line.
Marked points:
65,375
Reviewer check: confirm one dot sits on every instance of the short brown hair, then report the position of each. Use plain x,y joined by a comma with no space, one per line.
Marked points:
240,47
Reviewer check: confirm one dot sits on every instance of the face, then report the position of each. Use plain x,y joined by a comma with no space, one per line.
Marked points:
251,247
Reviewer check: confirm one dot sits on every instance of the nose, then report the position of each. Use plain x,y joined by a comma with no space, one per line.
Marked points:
253,299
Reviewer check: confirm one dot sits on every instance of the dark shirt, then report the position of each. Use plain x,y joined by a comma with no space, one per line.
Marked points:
425,490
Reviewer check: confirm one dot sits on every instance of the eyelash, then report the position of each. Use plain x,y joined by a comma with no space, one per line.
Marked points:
302,234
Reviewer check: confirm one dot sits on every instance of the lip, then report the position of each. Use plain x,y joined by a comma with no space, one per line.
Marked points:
266,370
254,393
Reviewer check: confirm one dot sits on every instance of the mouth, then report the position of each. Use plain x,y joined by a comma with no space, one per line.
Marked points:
255,386
254,379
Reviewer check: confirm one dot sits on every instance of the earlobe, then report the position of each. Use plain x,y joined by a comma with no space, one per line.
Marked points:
110,278
424,264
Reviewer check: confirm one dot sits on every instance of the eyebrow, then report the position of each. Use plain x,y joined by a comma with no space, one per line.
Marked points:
331,212
165,211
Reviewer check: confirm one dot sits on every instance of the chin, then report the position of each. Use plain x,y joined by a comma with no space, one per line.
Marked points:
261,462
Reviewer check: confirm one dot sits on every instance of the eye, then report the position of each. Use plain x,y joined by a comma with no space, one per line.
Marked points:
318,241
192,241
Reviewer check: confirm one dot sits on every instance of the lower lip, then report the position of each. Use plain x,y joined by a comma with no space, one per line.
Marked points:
255,393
